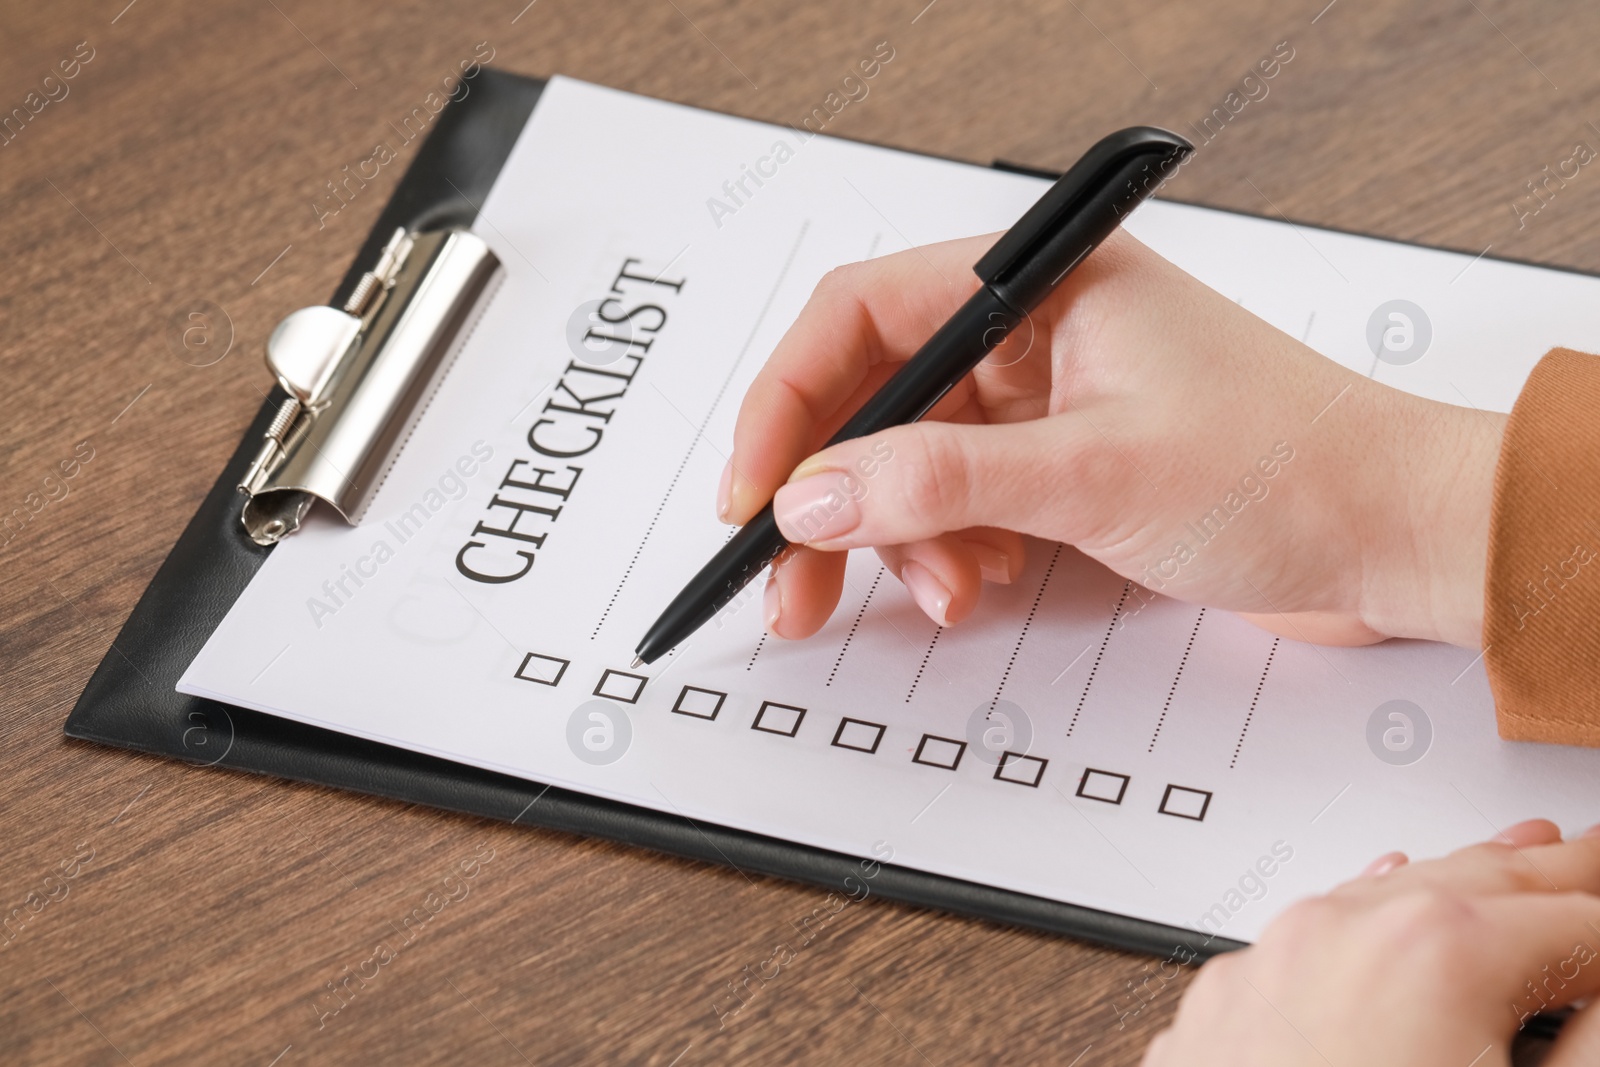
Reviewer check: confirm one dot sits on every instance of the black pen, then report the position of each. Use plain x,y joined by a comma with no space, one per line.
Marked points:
1022,268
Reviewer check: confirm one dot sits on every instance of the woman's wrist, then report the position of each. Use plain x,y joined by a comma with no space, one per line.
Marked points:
1425,562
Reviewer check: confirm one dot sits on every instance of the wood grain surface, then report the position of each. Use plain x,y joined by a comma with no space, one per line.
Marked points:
207,912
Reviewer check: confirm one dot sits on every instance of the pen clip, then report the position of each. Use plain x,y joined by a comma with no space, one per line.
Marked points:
1077,212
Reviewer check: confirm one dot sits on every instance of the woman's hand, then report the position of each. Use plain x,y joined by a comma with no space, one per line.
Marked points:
1139,416
1422,964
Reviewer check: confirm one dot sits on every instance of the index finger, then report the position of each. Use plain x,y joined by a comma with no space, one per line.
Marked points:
861,317
1495,868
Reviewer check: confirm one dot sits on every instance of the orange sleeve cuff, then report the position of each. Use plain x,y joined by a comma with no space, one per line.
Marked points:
1541,612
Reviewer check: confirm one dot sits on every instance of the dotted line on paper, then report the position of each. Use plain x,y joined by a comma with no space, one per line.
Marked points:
925,657
761,642
701,432
1015,651
648,530
1127,587
1175,679
873,588
1253,701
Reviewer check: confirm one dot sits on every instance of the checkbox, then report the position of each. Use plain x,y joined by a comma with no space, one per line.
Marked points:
858,734
1185,803
1108,786
1021,769
701,703
939,752
620,685
778,719
544,670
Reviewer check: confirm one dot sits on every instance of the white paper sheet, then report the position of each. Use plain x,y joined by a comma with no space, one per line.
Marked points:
1162,761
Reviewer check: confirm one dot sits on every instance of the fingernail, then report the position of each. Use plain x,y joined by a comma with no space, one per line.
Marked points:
725,491
929,593
993,564
818,508
772,604
1384,864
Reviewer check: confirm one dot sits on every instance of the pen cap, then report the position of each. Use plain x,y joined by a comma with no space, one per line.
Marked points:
1079,211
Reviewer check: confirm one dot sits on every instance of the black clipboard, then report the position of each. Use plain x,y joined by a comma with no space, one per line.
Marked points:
131,700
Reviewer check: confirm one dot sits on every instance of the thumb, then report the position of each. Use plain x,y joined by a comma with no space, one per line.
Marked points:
915,482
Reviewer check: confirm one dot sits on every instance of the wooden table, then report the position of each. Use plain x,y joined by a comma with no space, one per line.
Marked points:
209,909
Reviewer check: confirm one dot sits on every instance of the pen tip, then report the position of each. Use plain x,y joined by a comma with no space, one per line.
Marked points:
638,661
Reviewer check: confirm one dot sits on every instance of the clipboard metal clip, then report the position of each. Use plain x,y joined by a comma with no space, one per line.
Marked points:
355,376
